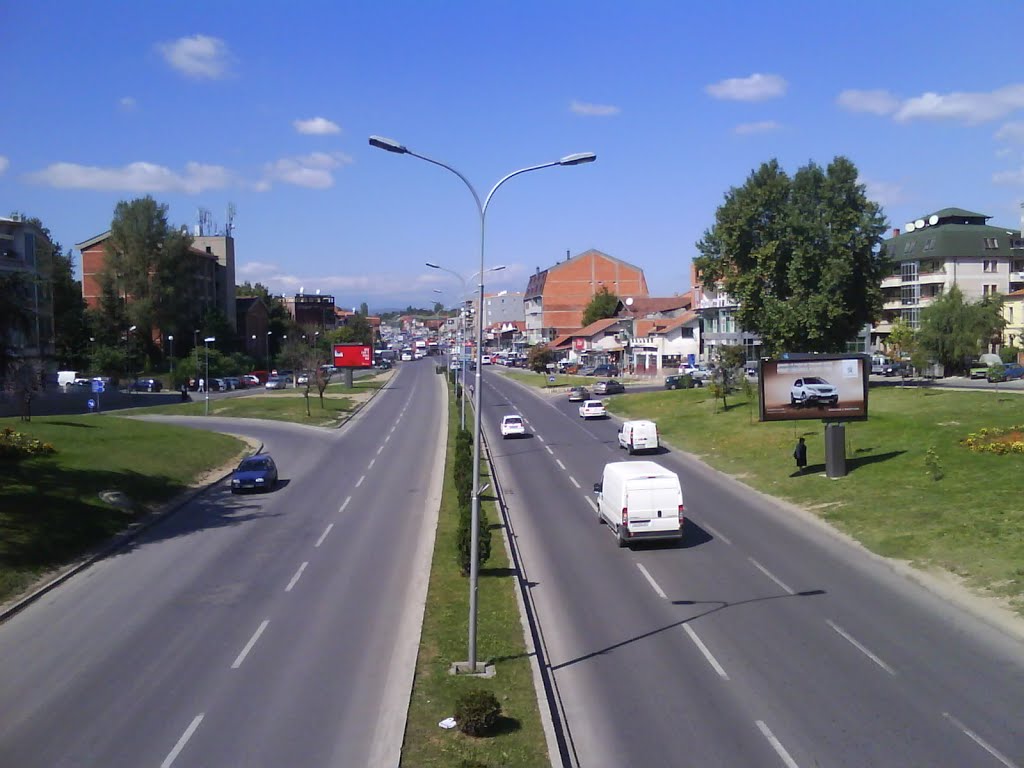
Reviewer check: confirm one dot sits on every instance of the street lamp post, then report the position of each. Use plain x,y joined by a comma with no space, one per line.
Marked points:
170,341
206,342
195,346
128,357
268,352
576,159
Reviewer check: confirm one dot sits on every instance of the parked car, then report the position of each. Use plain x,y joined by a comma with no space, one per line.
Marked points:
587,370
609,387
512,426
251,380
233,382
578,394
699,373
218,385
276,382
682,381
605,371
147,385
593,409
256,473
897,369
303,379
813,390
1005,372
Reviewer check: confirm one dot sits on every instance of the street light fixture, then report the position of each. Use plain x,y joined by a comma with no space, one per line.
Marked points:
206,342
390,145
128,357
170,341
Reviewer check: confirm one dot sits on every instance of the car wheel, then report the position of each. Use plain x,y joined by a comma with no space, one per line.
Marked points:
618,537
792,401
629,449
234,490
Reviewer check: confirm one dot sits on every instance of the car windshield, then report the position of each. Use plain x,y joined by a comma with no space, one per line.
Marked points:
814,380
513,420
253,465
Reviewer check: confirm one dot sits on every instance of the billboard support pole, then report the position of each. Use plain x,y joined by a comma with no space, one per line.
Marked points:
835,450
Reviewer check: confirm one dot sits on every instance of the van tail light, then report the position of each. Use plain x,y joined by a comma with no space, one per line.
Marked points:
682,515
625,517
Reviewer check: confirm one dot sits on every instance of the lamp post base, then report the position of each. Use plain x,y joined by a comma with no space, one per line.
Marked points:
463,669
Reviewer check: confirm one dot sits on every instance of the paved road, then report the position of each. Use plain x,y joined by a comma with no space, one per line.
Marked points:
763,641
270,630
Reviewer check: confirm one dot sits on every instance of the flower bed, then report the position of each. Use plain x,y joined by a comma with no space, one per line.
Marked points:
998,441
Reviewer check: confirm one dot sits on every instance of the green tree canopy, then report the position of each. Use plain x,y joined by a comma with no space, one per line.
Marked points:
953,330
801,256
603,304
15,318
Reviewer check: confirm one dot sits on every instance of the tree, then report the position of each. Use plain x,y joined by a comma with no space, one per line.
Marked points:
801,255
953,330
902,341
364,309
357,330
538,357
603,304
15,319
728,370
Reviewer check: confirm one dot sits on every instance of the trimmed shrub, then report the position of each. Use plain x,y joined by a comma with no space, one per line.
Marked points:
463,538
17,445
477,712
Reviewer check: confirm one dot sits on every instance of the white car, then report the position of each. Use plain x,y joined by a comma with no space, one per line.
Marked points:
813,390
592,409
512,426
697,373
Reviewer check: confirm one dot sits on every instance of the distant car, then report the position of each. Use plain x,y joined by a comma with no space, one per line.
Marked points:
256,473
303,379
80,385
1005,372
512,426
276,382
593,409
218,385
578,394
587,370
406,357
147,385
897,369
813,390
233,382
605,371
698,373
609,387
251,380
682,381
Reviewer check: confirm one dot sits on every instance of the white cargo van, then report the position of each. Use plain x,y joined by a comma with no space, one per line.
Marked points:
66,378
641,435
640,500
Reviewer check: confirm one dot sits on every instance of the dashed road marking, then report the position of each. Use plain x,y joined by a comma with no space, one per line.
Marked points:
344,504
360,480
559,463
548,449
573,481
860,647
652,582
370,466
981,742
769,574
248,646
182,741
704,650
715,533
324,534
776,745
295,578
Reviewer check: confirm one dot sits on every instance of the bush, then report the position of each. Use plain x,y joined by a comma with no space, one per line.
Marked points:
17,445
477,712
463,538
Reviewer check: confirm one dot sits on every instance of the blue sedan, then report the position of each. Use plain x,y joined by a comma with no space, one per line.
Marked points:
256,473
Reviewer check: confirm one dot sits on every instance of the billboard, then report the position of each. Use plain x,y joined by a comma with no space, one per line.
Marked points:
825,387
353,356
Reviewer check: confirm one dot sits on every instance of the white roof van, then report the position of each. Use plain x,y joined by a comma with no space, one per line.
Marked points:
640,500
641,435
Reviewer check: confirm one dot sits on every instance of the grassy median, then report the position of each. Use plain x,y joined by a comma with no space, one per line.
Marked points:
50,508
541,380
913,490
520,737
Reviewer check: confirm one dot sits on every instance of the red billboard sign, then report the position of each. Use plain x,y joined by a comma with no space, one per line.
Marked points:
353,356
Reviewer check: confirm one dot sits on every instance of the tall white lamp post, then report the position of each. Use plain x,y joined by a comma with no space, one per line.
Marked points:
207,342
576,159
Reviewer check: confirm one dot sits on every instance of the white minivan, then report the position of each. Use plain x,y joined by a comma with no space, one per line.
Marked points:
640,435
640,501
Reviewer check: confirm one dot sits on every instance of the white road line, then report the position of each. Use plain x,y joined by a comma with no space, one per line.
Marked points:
573,481
860,647
591,502
250,644
387,438
379,450
360,480
370,465
704,649
323,535
344,504
715,533
559,463
182,741
981,742
768,573
548,449
652,582
540,438
295,578
776,745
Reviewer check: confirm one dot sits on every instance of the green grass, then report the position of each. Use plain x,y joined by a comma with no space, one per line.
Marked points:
50,510
520,741
282,405
540,380
970,522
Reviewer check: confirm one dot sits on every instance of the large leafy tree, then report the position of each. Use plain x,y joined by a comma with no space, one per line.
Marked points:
603,304
801,255
15,318
953,330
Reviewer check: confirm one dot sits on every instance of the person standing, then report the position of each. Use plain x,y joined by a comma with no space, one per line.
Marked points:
800,454
202,387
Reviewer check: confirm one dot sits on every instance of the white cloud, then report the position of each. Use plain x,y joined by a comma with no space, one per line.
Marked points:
1009,177
876,102
316,126
366,285
4,164
757,87
134,177
1011,132
197,56
593,110
883,192
744,129
313,171
126,103
971,108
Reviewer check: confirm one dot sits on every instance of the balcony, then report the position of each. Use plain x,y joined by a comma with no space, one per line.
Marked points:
1017,277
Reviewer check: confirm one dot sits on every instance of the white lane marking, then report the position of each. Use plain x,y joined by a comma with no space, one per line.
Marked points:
981,742
250,644
769,574
540,438
387,438
860,647
379,450
559,463
360,480
295,578
652,582
370,466
591,502
323,535
182,741
707,654
573,480
776,745
345,504
548,449
715,533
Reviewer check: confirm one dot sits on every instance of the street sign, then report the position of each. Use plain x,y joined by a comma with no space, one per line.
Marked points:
551,379
98,387
92,404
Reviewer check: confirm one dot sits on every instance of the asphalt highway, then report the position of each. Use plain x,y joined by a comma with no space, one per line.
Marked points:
764,640
278,629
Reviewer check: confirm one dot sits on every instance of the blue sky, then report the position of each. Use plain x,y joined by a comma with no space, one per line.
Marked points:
269,106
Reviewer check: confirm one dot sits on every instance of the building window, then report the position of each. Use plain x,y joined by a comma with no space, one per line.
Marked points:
991,243
990,265
1009,314
929,244
908,271
1016,242
909,247
989,290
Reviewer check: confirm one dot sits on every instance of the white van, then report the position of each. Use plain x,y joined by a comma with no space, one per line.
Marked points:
66,378
640,500
641,435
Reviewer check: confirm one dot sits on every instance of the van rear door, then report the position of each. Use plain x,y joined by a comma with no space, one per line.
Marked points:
653,506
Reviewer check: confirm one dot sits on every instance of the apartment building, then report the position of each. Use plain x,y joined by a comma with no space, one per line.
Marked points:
25,248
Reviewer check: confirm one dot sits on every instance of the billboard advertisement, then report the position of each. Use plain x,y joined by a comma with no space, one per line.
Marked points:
353,356
823,387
